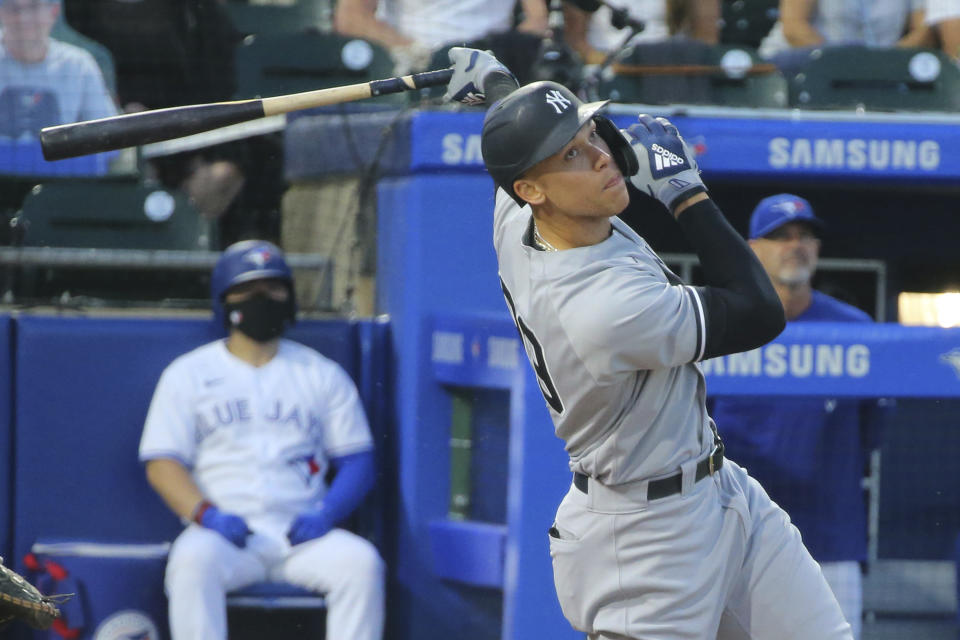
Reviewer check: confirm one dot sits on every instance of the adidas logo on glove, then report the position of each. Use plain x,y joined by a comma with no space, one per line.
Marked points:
665,159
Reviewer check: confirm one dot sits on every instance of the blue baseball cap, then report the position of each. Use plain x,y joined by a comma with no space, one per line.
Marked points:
772,213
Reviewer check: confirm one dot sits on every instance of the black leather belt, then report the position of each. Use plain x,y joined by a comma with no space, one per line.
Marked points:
664,487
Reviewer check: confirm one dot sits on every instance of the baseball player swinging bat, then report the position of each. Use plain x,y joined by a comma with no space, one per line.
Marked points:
133,129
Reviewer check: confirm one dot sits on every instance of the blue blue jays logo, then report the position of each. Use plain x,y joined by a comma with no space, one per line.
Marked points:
259,256
789,208
128,624
307,466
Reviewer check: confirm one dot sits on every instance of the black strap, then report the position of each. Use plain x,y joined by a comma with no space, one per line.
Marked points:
664,487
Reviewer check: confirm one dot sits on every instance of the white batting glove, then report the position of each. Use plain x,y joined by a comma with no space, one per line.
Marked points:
668,166
471,68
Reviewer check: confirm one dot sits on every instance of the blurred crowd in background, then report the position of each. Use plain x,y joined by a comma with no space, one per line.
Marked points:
64,61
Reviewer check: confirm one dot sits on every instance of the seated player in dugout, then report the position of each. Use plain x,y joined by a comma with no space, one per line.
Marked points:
659,536
237,442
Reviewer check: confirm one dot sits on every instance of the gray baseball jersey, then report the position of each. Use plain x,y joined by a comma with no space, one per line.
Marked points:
627,334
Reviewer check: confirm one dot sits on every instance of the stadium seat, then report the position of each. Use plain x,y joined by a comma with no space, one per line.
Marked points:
13,190
275,64
682,71
113,214
275,595
65,33
251,18
103,215
747,22
895,79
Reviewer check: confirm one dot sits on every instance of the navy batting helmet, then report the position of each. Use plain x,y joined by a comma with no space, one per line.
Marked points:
535,122
245,261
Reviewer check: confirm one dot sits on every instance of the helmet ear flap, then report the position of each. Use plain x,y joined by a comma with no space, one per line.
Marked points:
620,149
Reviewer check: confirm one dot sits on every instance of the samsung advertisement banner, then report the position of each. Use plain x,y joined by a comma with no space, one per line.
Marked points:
793,145
807,359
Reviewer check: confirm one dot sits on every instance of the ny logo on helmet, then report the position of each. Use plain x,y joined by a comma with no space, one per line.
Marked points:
259,256
557,100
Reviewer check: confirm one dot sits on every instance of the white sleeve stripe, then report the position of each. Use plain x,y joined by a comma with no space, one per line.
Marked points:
701,324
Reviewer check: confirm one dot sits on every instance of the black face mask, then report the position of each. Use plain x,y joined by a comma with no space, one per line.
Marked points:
261,318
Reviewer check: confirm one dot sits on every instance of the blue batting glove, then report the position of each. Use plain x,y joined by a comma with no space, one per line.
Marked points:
230,526
309,525
668,166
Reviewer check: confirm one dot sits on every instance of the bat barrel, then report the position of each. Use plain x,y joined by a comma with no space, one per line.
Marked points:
132,129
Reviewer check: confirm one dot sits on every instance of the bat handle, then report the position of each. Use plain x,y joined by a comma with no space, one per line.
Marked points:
406,83
432,78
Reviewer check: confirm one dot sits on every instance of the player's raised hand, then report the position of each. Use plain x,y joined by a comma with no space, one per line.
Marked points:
230,526
668,166
309,525
471,69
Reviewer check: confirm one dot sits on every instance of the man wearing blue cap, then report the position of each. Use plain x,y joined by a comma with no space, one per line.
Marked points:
808,453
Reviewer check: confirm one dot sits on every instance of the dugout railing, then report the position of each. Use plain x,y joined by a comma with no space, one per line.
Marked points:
15,262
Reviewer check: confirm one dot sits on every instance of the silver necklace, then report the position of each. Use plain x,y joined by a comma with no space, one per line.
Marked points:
538,239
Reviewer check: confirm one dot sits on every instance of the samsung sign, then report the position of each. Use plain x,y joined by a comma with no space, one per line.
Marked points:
826,359
795,361
873,150
853,153
459,149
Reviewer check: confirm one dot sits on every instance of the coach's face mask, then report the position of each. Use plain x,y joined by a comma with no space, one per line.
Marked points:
260,317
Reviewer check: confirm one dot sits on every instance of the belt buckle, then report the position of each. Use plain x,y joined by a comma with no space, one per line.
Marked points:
711,465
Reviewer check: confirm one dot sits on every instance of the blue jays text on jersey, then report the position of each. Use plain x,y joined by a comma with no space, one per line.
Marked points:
235,411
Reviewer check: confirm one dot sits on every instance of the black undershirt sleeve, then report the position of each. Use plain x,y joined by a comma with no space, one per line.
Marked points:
742,308
497,86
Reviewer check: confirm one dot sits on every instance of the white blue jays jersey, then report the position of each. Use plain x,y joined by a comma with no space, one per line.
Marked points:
614,338
258,440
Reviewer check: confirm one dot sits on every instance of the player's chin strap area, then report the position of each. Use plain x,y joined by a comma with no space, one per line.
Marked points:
53,577
663,487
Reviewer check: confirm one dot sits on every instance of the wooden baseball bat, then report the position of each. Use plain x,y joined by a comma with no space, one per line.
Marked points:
133,129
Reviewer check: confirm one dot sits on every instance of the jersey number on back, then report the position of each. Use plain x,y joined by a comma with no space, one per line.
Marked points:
535,354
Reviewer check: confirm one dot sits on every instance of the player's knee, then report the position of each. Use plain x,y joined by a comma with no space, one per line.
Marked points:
374,565
368,568
367,563
193,556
